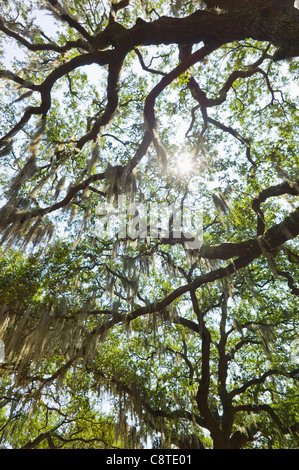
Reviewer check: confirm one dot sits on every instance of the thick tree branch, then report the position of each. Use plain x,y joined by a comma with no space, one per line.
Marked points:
262,379
268,241
136,393
115,66
204,384
287,187
257,20
271,240
149,106
62,13
250,250
45,88
264,408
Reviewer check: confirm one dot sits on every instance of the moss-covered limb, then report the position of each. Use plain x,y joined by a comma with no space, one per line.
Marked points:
78,44
259,380
287,187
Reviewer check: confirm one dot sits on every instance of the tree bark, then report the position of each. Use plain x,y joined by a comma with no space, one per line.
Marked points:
272,21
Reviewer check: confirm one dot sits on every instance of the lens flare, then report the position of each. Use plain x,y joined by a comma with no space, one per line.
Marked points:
185,165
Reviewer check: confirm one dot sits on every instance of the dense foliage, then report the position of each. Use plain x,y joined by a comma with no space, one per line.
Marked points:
122,329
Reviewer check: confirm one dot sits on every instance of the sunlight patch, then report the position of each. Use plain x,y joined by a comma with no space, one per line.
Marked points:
185,165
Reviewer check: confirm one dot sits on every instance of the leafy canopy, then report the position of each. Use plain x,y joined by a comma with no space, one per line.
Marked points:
117,117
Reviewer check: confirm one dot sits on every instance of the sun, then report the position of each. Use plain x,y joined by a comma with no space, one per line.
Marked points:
185,165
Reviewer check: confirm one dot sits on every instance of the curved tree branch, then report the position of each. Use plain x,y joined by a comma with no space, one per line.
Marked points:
262,379
79,43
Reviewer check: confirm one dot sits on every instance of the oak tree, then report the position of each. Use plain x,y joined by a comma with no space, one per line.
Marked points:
149,223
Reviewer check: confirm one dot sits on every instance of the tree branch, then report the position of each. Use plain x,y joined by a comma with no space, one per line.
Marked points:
136,394
99,57
43,47
262,379
287,187
62,13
